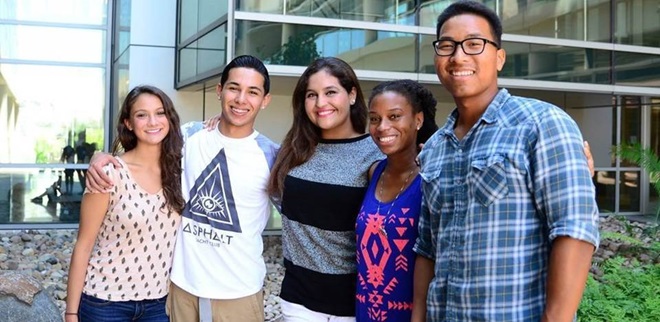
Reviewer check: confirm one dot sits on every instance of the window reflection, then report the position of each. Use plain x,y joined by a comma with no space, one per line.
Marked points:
363,49
66,109
400,12
637,23
204,54
53,44
654,177
92,12
122,26
38,195
605,183
629,194
556,63
196,15
636,69
578,20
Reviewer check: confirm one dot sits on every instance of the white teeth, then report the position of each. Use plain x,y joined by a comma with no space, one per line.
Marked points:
462,73
239,111
386,139
153,131
324,113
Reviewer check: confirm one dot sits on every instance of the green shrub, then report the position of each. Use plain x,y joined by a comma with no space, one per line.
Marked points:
625,294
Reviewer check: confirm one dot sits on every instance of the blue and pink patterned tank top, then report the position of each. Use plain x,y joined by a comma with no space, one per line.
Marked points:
386,233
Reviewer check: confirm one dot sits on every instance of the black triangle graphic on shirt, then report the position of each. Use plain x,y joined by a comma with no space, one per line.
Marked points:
212,200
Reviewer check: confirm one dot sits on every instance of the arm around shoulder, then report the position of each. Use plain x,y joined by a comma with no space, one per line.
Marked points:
96,180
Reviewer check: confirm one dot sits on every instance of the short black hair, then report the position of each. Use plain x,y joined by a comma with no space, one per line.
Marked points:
475,8
247,61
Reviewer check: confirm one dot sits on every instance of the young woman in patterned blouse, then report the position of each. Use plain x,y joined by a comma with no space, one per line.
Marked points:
401,116
121,261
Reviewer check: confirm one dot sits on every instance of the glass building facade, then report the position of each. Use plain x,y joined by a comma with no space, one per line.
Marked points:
597,59
54,85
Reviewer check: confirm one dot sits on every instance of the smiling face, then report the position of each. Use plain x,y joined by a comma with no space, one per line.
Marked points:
469,77
393,124
328,104
147,120
242,96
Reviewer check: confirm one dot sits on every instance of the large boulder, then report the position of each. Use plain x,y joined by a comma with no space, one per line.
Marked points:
23,299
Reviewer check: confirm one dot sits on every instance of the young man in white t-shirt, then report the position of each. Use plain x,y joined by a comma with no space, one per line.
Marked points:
218,271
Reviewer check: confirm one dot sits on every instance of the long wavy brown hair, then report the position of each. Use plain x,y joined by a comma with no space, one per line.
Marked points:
300,142
170,148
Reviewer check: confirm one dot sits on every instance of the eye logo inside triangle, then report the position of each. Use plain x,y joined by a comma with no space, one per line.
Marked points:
212,201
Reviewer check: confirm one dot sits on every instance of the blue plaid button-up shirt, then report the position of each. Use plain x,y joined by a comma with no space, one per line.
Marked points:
493,203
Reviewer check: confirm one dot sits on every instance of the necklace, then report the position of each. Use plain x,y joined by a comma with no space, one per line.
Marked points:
380,193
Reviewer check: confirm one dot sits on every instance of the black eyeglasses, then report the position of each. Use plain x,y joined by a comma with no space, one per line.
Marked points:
470,46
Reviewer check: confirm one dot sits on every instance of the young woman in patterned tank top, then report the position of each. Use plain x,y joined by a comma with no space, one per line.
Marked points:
401,116
121,261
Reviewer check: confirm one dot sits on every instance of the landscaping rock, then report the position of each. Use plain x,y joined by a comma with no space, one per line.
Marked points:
22,299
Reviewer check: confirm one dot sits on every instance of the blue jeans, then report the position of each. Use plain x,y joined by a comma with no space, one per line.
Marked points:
93,309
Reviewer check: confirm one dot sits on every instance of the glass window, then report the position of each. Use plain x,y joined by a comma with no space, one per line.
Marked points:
122,26
636,69
605,183
38,195
426,54
121,70
654,177
299,45
92,12
556,63
196,15
400,12
52,44
204,54
629,193
579,20
631,129
631,121
429,10
53,108
58,105
637,23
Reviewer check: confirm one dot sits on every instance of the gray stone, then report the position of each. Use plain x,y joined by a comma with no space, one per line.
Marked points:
12,265
22,299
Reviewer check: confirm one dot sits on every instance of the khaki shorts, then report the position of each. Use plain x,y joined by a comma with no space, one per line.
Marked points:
185,307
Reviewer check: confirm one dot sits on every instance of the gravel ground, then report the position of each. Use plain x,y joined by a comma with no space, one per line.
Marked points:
45,254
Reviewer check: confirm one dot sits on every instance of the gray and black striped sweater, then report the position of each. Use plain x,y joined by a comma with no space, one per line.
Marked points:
319,206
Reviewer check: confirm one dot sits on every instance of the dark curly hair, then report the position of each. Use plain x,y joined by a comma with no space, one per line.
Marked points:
419,97
171,146
300,142
475,8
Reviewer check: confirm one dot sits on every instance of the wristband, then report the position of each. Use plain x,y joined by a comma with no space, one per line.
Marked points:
70,313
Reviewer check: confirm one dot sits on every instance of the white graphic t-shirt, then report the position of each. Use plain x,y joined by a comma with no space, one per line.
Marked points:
219,245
